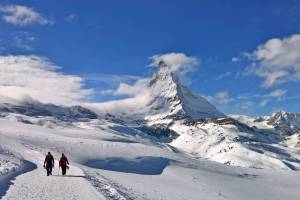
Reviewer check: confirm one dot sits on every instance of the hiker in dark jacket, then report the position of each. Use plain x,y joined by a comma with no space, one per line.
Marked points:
63,163
49,163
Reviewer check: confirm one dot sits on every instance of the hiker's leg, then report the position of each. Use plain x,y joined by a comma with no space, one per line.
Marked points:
48,170
63,170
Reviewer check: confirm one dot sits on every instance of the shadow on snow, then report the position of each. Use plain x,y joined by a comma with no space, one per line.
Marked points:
146,165
6,180
70,176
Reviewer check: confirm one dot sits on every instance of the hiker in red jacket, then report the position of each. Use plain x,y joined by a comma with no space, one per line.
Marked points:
63,163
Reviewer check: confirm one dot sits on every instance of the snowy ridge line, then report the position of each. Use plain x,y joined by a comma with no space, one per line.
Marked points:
110,189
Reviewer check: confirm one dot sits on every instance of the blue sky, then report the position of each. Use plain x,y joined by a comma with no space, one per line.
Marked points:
108,42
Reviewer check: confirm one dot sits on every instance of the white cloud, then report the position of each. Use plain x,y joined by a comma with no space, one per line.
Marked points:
209,98
22,15
274,95
106,92
235,59
23,40
246,105
263,103
35,77
132,90
71,18
177,62
277,93
112,79
224,75
278,60
136,97
131,104
222,97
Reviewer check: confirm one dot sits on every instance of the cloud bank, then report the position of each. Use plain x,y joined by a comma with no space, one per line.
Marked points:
33,77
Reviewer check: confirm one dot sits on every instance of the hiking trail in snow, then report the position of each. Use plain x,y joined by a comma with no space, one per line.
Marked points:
36,185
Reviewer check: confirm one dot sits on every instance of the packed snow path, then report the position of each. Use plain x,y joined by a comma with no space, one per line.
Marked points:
35,185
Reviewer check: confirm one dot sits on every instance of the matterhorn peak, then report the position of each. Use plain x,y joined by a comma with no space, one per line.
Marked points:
173,100
162,64
164,73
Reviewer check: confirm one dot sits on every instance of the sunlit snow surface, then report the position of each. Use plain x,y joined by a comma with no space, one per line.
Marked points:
129,165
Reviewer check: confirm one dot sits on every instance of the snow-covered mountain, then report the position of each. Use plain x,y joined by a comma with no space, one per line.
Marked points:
170,134
173,114
172,100
286,123
240,140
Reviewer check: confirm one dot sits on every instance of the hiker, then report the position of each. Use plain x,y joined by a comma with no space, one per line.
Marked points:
63,163
49,163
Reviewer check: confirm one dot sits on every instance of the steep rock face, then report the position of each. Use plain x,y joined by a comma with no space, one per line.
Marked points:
172,100
286,123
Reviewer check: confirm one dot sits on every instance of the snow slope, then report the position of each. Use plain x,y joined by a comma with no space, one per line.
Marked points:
109,164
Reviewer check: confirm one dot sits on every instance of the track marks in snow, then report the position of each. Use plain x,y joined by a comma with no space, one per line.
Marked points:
35,185
112,190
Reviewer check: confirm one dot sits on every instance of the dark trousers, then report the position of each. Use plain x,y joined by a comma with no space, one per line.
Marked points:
64,169
49,170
